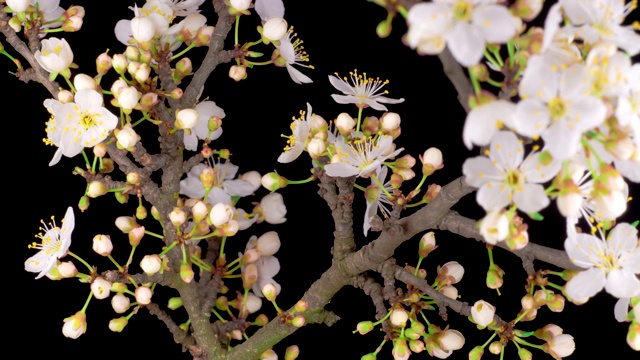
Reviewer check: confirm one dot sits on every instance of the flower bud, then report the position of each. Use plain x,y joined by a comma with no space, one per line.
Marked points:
117,325
83,204
187,118
316,147
496,348
101,288
451,340
292,352
67,269
120,303
399,317
252,177
269,243
96,188
174,303
240,5
345,124
390,122
142,29
75,325
476,353
143,295
452,272
83,81
560,346
431,161
220,214
269,291
449,291
272,181
249,276
102,244
495,277
633,335
482,313
274,29
103,63
120,64
237,72
494,227
18,5
186,272
135,235
298,321
151,264
427,244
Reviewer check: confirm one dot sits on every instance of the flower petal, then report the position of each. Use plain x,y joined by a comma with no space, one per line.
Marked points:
480,170
586,284
466,43
495,23
622,284
493,196
531,198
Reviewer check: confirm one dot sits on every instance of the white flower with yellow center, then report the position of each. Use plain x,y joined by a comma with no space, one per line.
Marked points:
465,25
612,263
377,199
601,21
55,56
557,105
504,178
206,110
224,184
361,156
362,90
293,53
54,244
83,123
297,141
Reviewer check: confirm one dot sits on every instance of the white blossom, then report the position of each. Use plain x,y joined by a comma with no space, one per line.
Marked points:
361,90
54,244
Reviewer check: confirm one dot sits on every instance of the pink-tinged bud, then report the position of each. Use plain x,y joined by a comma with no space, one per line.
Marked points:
142,73
132,53
432,191
207,177
143,295
65,96
67,269
370,125
269,243
186,272
389,122
117,325
548,332
298,321
253,303
237,72
177,217
148,101
126,137
482,313
556,304
277,58
75,10
452,272
271,209
274,29
476,353
495,277
292,352
427,244
269,291
345,124
431,161
449,291
100,150
261,320
527,10
451,340
560,346
301,306
272,181
120,64
118,287
199,211
228,229
103,63
220,214
186,118
151,264
269,355
184,68
494,227
249,275
128,99
175,303
400,350
399,317
203,36
141,212
72,24
96,188
250,256
142,29
75,325
101,288
364,327
102,244
135,235
176,93
528,302
416,346
120,303
83,204
496,348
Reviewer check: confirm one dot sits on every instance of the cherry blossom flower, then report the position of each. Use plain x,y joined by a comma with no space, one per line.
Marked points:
557,105
361,156
79,124
465,25
376,198
293,53
362,90
54,244
206,109
601,20
268,266
55,56
610,263
504,177
224,184
297,141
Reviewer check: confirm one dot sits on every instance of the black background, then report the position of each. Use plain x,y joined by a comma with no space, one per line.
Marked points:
339,37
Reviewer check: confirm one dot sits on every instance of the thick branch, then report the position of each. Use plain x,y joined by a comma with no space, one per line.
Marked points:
179,336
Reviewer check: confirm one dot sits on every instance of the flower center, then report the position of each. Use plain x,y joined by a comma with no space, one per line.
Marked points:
515,179
87,120
557,108
462,10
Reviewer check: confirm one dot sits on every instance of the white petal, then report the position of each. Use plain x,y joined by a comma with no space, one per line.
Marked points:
493,196
341,170
291,154
237,187
268,266
340,85
621,309
532,117
623,237
466,43
123,31
574,82
586,284
622,284
628,169
480,170
483,121
586,113
495,23
536,172
539,80
581,249
269,8
297,76
531,198
561,140
506,150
